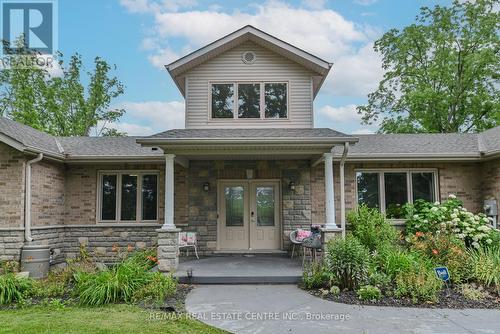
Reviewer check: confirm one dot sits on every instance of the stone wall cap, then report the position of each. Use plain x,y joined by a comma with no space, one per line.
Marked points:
167,230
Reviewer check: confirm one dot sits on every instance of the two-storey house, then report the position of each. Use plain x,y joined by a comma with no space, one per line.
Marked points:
249,167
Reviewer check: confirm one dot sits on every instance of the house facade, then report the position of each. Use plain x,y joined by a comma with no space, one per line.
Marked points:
249,167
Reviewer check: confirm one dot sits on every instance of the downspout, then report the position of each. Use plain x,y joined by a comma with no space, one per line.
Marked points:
342,189
27,198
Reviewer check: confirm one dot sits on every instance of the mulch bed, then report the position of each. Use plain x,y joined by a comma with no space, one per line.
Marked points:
451,298
175,303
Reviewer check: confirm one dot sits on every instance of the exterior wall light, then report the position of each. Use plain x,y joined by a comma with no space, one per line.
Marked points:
206,186
291,186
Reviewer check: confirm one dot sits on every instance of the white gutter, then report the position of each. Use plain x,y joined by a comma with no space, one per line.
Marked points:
342,189
27,199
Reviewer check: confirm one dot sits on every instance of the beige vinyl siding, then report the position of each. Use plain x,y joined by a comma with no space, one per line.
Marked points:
268,67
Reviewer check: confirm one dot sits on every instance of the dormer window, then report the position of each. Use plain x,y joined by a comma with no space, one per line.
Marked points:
256,100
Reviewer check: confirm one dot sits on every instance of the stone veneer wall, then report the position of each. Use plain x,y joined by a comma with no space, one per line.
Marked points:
296,206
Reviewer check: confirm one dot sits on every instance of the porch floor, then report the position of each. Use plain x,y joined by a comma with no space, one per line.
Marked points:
240,269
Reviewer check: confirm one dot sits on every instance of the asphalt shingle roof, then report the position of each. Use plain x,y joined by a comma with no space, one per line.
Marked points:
250,133
105,146
28,136
452,144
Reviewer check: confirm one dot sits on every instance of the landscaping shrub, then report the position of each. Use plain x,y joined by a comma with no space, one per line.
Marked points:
473,292
485,266
157,289
13,288
316,276
394,260
449,217
348,260
369,292
420,284
379,279
443,250
335,290
51,287
371,228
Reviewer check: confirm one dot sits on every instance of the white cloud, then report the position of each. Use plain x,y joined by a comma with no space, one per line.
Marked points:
132,129
314,4
160,115
345,113
363,131
320,31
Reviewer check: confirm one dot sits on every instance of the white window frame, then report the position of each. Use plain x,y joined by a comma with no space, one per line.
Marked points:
409,182
236,97
119,173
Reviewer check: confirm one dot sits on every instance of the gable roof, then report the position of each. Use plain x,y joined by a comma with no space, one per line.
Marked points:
212,50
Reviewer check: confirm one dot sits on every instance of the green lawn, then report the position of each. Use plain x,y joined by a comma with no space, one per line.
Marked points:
108,319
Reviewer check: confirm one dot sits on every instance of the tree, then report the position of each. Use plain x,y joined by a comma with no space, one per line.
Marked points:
442,73
61,105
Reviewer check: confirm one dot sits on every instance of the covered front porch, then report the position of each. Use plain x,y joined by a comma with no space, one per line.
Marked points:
246,190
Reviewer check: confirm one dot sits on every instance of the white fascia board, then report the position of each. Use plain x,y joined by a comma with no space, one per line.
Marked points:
256,32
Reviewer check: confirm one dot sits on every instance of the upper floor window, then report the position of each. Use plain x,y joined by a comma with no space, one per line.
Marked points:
256,100
388,190
128,196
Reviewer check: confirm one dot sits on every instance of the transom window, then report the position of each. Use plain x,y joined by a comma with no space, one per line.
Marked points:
255,100
128,196
388,190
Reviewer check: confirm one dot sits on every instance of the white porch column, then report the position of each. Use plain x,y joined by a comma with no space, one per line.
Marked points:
169,192
329,192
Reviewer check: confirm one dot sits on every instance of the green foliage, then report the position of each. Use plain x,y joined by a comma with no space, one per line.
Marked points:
335,290
62,105
443,250
371,228
7,267
420,284
473,292
449,217
13,288
48,288
485,266
441,73
348,260
315,276
127,281
379,279
393,261
369,292
157,289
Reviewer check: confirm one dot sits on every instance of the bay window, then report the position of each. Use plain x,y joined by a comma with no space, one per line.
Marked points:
249,100
389,190
128,196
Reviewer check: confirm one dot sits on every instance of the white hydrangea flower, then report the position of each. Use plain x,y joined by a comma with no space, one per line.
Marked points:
415,216
461,236
452,196
475,245
437,203
489,241
434,209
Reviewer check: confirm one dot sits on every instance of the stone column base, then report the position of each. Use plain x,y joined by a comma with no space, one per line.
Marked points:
328,233
168,249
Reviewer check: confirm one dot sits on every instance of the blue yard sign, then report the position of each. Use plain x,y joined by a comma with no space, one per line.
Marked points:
442,273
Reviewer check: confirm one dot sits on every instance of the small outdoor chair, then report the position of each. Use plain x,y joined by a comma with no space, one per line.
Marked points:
296,239
187,240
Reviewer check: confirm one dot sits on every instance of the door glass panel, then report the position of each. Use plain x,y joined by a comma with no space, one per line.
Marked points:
129,197
234,197
368,192
264,199
423,186
248,100
396,194
108,209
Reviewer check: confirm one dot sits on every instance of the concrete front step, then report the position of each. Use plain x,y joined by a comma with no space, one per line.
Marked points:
241,269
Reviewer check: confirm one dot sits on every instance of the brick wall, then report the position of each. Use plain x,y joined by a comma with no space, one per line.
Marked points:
11,187
47,193
490,184
460,178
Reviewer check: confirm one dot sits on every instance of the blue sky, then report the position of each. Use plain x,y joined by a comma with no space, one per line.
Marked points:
140,36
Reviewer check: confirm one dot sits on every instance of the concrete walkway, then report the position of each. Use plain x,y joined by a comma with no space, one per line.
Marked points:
287,309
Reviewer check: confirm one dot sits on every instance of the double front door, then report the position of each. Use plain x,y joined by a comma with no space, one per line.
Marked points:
249,217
